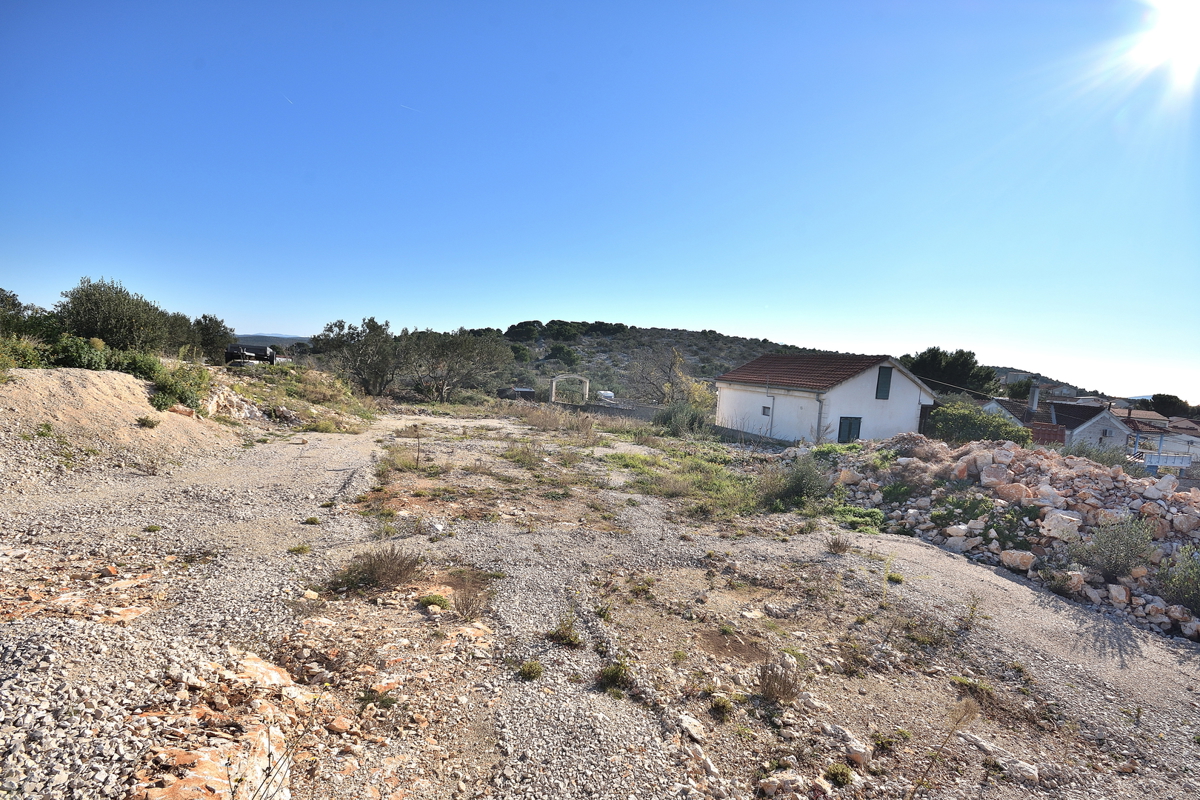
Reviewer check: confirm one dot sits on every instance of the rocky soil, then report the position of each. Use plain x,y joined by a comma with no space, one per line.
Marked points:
174,632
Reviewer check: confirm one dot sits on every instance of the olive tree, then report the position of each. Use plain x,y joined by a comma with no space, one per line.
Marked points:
369,353
442,362
107,310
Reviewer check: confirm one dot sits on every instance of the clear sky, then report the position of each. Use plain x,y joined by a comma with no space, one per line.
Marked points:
1014,177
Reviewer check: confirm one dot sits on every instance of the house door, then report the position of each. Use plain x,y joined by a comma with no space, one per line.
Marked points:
848,429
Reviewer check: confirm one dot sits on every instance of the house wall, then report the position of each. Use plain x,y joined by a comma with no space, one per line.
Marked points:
900,413
1092,432
794,413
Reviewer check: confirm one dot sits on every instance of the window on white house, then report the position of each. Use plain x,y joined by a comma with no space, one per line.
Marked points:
883,384
766,411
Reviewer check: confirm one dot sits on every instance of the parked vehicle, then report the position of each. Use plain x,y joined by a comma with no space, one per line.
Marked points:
249,352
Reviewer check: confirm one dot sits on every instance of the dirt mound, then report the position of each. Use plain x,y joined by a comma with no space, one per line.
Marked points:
66,419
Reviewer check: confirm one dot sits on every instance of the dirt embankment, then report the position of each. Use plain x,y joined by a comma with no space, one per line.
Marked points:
78,419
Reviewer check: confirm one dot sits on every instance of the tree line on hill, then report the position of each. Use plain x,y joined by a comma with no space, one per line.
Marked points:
101,322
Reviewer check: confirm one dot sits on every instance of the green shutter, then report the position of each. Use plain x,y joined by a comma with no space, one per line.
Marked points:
849,429
883,385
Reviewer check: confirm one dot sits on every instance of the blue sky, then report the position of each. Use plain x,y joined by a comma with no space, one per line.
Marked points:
999,175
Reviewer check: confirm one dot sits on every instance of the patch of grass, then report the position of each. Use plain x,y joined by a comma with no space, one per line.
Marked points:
300,549
384,567
433,600
867,520
530,670
529,456
679,656
830,452
564,632
152,528
370,697
148,422
327,504
44,430
726,629
895,577
311,521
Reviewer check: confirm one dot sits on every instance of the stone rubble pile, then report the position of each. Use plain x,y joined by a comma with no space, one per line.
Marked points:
1041,503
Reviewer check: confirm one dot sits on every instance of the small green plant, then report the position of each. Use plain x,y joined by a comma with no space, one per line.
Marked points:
300,549
896,492
721,708
433,600
327,504
370,697
44,430
981,691
564,633
867,520
894,577
152,528
148,422
616,675
604,611
311,521
679,656
530,670
839,774
726,629
783,487
1118,547
1179,578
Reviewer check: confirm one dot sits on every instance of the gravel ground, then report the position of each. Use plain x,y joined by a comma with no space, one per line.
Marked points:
113,635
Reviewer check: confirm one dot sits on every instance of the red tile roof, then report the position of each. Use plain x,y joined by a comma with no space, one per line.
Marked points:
819,371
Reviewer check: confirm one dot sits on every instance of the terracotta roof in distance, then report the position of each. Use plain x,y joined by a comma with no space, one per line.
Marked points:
819,371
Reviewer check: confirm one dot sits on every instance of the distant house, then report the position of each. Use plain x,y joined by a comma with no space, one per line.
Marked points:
1059,390
820,396
1066,423
1149,417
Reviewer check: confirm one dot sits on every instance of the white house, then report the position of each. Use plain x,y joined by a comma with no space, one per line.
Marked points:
821,396
1068,422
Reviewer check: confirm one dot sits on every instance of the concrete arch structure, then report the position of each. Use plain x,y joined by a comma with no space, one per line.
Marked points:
569,376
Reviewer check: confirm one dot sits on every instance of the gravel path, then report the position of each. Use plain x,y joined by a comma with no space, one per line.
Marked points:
216,579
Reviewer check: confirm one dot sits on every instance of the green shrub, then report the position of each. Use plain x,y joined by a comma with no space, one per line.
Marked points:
148,422
859,519
681,419
434,600
830,452
839,774
1179,578
1117,548
615,676
564,633
186,384
530,670
76,353
383,567
21,354
790,486
966,422
140,365
721,707
896,492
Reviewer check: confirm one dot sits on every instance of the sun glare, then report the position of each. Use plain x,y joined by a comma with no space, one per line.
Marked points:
1173,41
